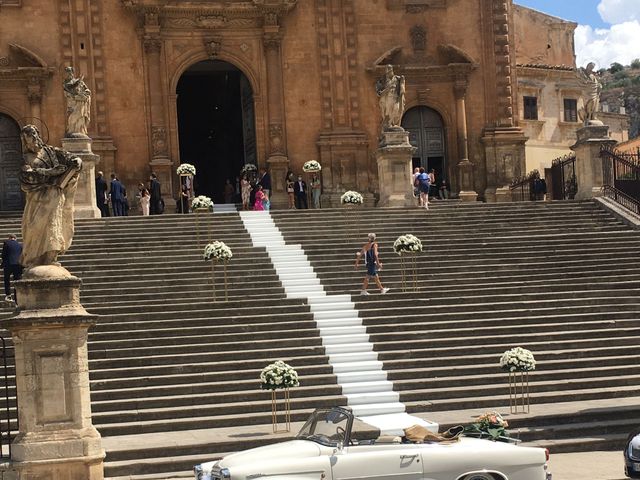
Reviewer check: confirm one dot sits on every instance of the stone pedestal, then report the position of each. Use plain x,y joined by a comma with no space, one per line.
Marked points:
588,163
394,169
57,439
85,201
278,167
465,173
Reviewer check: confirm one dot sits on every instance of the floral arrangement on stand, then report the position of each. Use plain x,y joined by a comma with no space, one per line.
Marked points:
489,425
351,197
217,251
248,168
201,202
311,166
186,169
518,360
278,375
407,244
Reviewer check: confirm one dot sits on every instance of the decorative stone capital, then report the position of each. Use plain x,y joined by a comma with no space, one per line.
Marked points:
272,41
152,44
213,46
460,86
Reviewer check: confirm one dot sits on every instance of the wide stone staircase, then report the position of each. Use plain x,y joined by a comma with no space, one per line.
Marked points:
170,364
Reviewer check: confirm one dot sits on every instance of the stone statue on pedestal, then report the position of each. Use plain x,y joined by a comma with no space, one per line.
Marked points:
78,98
390,90
49,178
591,100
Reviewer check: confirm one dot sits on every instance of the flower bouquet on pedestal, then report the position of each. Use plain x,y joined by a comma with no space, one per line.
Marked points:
218,252
518,362
186,169
202,205
279,376
352,200
311,166
408,246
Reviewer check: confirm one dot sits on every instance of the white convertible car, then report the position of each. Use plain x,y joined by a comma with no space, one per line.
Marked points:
333,445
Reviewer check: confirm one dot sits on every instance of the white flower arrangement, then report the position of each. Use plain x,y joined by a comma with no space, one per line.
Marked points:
201,202
186,169
248,167
518,360
351,197
407,244
278,375
217,251
311,166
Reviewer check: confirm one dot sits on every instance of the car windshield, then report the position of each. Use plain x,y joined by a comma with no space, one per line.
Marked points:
327,426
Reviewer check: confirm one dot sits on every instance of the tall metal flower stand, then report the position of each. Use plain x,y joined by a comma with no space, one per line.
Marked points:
519,400
204,220
409,271
213,279
284,415
352,220
186,179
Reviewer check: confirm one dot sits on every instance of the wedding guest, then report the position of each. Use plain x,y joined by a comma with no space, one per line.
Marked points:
443,191
183,204
433,189
11,253
414,184
228,191
300,189
265,181
246,191
145,199
422,181
372,262
290,193
156,205
316,188
101,195
260,198
116,194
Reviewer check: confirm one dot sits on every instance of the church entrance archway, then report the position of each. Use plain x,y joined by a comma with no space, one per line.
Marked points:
11,198
216,124
426,133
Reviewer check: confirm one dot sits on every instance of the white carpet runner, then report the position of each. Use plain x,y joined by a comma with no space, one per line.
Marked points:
359,372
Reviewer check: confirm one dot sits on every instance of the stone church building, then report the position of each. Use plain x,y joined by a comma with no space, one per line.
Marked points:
221,83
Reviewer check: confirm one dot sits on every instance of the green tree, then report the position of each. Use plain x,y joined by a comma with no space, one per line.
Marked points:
616,67
635,64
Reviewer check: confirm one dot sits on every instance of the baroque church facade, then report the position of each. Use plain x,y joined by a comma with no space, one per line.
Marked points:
272,82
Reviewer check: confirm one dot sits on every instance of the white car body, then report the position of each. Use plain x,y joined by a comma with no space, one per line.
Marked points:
306,459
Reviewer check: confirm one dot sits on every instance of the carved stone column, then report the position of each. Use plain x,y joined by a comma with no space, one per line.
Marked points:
588,162
276,148
160,162
57,438
465,167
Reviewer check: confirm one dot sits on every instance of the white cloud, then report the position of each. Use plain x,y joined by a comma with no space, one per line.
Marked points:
619,11
620,43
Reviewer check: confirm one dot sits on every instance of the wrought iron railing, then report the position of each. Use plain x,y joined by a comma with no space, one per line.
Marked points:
5,423
564,182
530,187
621,177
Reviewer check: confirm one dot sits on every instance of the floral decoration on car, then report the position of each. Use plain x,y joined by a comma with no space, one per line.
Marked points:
489,425
278,375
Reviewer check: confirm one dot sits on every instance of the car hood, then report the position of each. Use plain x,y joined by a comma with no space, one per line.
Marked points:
291,449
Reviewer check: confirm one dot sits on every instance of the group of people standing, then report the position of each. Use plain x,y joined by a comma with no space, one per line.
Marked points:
115,194
425,187
255,194
297,190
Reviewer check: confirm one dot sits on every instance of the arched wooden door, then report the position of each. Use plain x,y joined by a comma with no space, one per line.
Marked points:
11,198
426,133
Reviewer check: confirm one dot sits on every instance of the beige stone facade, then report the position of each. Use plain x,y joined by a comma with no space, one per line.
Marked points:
550,90
302,78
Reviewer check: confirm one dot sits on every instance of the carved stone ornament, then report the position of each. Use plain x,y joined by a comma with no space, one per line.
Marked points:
151,18
211,21
275,137
4,61
213,46
152,44
159,141
418,39
272,41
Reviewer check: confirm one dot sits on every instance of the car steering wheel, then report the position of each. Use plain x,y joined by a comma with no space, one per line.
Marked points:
342,434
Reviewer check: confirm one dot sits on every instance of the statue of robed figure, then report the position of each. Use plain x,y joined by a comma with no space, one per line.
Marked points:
588,112
391,89
49,179
78,98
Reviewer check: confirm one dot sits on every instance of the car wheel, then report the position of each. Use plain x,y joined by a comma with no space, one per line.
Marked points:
479,476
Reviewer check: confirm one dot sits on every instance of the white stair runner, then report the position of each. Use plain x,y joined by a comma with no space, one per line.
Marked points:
369,394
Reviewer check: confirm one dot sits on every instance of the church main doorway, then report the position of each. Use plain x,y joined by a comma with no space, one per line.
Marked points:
216,124
426,133
11,198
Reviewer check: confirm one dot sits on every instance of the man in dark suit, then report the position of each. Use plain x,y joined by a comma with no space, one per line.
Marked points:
116,192
265,181
101,195
11,253
155,207
300,189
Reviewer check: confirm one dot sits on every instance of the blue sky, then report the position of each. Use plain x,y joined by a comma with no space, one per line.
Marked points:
587,14
608,31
